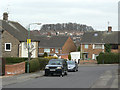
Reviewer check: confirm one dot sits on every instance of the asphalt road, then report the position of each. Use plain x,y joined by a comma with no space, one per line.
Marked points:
84,78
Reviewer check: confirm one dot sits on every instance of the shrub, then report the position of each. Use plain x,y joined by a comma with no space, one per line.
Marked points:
51,57
107,48
13,60
43,62
45,54
108,58
34,65
69,57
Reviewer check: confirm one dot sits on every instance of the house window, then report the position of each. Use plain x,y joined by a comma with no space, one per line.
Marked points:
86,46
56,50
7,46
98,46
47,50
114,47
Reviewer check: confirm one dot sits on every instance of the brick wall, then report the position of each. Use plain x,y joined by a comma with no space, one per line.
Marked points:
64,56
91,51
69,46
8,38
15,69
88,62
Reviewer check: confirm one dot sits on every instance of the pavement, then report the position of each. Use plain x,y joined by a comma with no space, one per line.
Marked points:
108,79
7,80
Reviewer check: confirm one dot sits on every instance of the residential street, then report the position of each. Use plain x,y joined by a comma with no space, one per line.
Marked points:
101,76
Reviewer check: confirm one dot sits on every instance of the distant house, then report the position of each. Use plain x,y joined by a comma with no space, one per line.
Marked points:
59,45
92,43
14,39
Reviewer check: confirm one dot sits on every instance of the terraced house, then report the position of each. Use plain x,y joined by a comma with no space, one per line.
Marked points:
14,39
93,43
59,45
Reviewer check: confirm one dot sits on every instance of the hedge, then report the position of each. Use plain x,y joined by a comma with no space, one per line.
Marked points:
108,58
13,60
33,65
43,62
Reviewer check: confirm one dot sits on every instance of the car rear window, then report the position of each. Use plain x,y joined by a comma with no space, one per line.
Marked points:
55,62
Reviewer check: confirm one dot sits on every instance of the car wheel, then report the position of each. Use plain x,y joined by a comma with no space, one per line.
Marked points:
66,73
62,74
46,74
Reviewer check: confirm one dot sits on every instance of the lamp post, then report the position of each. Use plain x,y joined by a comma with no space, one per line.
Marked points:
28,42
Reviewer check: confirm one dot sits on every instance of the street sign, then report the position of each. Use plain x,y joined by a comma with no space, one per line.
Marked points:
28,41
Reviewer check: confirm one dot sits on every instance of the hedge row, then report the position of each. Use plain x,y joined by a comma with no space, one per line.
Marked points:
34,64
108,58
13,60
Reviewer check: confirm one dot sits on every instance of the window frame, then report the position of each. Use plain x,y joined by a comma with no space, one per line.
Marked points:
47,51
10,47
98,47
87,46
57,50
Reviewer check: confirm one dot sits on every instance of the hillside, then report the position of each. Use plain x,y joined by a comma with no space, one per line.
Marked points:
69,27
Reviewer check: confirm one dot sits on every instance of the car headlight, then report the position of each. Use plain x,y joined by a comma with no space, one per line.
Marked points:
46,67
59,67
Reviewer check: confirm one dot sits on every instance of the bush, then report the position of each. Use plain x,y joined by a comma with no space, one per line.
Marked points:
69,57
43,62
45,54
13,60
108,58
51,57
33,65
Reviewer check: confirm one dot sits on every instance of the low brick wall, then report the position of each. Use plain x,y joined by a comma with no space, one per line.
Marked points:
64,56
15,69
88,61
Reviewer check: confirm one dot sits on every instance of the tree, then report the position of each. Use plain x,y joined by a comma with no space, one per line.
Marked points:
69,57
45,54
79,48
107,48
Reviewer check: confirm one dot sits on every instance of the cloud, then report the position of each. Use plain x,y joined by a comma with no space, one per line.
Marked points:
91,12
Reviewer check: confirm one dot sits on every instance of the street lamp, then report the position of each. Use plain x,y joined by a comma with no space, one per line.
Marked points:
28,42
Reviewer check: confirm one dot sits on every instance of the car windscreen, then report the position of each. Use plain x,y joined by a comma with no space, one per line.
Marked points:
55,62
70,62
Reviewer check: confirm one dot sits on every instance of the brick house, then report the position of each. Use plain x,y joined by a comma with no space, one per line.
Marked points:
92,43
59,45
14,39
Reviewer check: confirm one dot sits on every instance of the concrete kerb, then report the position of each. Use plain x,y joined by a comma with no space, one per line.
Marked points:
97,64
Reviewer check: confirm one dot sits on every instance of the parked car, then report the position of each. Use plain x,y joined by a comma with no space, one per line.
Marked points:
56,66
72,66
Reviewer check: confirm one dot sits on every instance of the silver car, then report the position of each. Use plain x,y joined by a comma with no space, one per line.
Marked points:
72,66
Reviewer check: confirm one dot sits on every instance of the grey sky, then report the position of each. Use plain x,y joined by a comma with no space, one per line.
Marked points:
90,12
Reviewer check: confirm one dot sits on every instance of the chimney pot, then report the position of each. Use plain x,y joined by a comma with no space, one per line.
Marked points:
5,16
109,29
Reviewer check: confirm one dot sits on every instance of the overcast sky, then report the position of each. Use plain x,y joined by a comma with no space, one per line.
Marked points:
95,13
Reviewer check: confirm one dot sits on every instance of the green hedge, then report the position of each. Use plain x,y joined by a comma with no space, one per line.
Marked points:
34,65
108,58
37,64
43,62
13,60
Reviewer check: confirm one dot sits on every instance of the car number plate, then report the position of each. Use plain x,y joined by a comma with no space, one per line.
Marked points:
52,69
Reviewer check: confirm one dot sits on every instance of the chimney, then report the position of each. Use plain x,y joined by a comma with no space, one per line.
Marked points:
109,29
5,16
48,34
